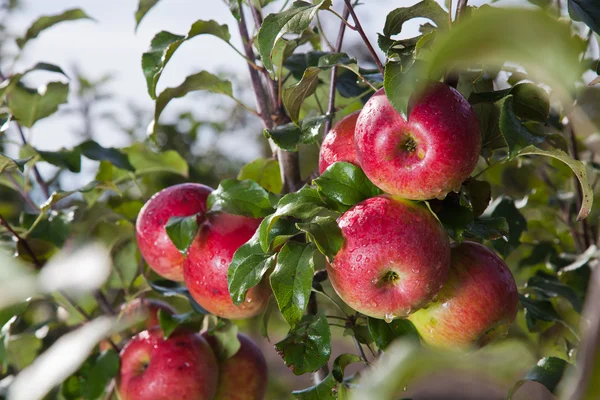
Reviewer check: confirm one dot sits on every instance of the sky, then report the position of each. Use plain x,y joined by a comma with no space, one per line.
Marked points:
110,44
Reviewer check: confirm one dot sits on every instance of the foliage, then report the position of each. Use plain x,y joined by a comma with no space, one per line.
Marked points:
530,197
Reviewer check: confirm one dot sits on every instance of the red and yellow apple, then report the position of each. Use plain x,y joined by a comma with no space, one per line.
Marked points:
477,304
154,243
338,144
425,157
205,268
394,260
182,367
244,375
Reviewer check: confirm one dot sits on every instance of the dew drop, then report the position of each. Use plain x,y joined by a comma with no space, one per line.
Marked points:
405,388
441,196
374,281
248,300
416,270
389,318
359,257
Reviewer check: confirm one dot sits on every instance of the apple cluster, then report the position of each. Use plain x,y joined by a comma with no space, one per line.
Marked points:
397,261
186,365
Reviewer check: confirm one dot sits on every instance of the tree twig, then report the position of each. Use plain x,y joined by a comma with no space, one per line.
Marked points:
461,6
362,34
334,70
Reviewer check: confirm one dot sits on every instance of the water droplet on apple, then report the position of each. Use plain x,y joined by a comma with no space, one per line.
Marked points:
389,318
416,270
374,281
248,300
359,257
367,260
441,196
405,388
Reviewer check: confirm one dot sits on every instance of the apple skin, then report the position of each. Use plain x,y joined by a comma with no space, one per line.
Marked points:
243,376
151,306
338,144
477,304
426,157
394,260
182,367
154,243
205,268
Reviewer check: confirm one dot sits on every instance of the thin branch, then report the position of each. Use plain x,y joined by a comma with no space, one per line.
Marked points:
22,192
36,172
461,6
103,303
449,13
343,18
19,239
361,351
334,70
362,34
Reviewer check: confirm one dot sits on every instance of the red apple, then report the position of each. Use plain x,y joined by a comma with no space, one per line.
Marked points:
182,367
205,268
243,376
425,157
154,243
395,257
477,304
338,144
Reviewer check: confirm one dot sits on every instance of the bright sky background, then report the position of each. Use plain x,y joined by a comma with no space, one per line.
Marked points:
110,45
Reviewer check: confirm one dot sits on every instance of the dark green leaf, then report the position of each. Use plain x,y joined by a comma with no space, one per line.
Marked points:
294,96
329,389
578,168
425,9
325,233
168,323
164,44
182,231
542,310
504,207
346,184
479,194
22,349
293,20
383,333
143,7
247,268
307,347
47,21
9,164
455,219
94,151
488,228
290,136
549,286
265,172
530,101
275,234
516,134
241,198
586,11
69,159
98,376
291,280
201,81
548,371
28,106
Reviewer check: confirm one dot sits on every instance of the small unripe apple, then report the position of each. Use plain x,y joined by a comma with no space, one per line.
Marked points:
155,245
427,156
338,144
205,268
394,260
182,367
477,304
243,376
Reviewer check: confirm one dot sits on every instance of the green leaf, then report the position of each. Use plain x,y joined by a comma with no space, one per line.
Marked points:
578,168
22,349
201,81
346,184
548,371
265,172
241,198
479,195
517,136
10,164
329,387
294,96
290,136
94,151
488,228
549,286
586,11
291,280
274,234
542,310
504,207
483,39
530,101
28,106
48,21
69,159
164,44
455,218
325,233
143,7
383,333
293,20
226,335
425,9
98,376
168,323
182,231
307,347
146,161
247,268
